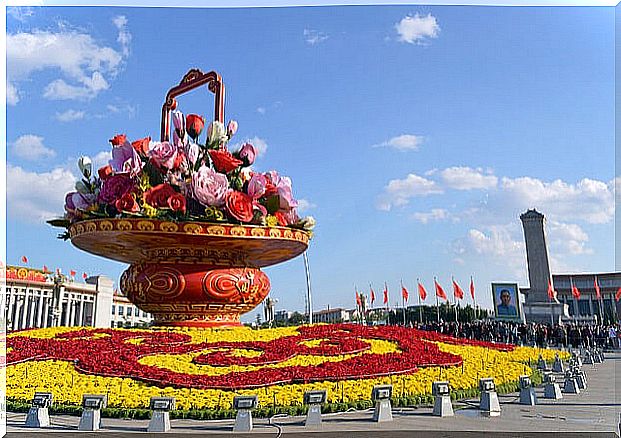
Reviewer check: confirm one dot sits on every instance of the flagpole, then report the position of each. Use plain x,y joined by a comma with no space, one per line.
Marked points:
474,300
551,309
435,283
454,297
420,308
403,302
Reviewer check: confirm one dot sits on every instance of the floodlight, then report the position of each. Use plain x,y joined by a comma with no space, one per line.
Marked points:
525,382
162,403
94,401
42,399
381,392
440,388
245,402
487,384
317,397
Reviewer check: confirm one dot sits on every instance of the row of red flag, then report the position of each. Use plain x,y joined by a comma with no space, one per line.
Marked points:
458,292
576,292
72,273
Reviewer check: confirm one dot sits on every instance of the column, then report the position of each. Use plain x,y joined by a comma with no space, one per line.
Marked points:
23,308
81,311
46,312
71,310
31,309
40,310
65,316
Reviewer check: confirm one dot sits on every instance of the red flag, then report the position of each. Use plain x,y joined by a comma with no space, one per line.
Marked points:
575,291
72,273
24,259
422,293
457,291
385,293
45,270
439,291
358,300
84,275
618,295
372,295
472,288
551,291
598,293
404,293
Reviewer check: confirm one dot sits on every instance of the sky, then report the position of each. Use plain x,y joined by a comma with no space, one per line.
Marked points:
415,135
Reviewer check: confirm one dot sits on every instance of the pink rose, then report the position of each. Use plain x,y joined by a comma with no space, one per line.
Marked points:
75,200
248,153
115,187
164,154
125,159
209,187
256,186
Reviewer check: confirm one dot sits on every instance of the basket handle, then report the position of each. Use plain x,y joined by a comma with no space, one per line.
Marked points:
193,79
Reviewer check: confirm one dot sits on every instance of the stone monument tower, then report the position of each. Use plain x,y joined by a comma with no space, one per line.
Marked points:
538,307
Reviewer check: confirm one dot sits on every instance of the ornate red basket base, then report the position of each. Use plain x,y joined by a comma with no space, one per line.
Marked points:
194,295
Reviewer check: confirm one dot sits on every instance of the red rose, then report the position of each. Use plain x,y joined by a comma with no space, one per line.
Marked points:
239,205
270,188
118,140
194,125
158,196
176,202
224,161
105,172
142,145
282,218
128,203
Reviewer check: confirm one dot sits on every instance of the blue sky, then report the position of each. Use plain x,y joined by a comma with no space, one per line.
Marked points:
415,135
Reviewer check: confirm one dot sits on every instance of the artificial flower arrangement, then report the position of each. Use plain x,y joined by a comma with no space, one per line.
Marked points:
184,180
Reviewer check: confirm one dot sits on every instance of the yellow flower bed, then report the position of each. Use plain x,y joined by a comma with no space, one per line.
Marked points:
68,385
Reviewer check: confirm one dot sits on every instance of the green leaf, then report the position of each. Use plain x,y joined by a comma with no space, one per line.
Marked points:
61,223
272,204
155,176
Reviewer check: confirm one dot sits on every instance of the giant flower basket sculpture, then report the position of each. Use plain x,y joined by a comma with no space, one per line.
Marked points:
194,223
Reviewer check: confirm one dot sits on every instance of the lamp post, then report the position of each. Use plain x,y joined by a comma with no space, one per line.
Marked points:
308,289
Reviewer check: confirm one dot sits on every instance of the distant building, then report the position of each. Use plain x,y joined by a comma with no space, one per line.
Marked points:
332,315
282,316
587,307
31,299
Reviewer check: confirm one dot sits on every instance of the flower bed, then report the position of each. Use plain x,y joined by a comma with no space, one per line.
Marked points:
206,368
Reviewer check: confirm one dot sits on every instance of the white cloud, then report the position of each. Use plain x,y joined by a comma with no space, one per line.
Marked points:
101,159
399,191
122,108
588,200
70,115
466,178
85,65
417,29
261,110
124,38
12,95
31,147
20,13
305,205
495,246
313,37
404,142
436,214
36,197
570,238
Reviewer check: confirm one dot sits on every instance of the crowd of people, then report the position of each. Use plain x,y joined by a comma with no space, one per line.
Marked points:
605,336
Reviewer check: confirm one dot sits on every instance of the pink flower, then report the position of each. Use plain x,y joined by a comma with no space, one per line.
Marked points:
178,122
283,188
256,186
125,159
209,187
192,151
231,128
115,187
248,153
75,200
164,154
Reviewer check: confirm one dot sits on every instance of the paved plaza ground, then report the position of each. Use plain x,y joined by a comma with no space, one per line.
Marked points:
594,412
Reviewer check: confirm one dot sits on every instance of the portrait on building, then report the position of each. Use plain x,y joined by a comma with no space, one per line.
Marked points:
506,301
